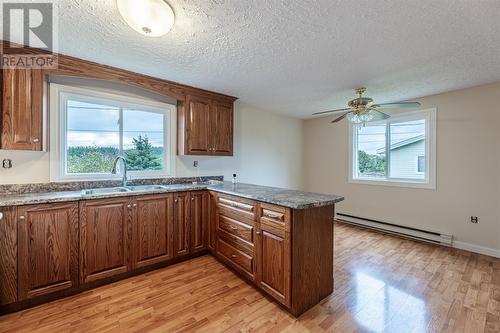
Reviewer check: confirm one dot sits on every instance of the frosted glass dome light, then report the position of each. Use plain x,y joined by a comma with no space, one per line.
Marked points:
152,18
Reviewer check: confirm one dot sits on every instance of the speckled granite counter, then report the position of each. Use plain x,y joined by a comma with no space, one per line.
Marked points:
278,196
283,197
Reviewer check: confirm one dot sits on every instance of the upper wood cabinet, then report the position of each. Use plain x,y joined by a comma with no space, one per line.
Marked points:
22,109
104,238
48,249
205,127
153,229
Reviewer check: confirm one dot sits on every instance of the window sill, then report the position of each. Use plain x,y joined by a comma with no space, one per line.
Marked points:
390,183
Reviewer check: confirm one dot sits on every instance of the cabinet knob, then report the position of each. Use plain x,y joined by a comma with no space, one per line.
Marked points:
192,199
22,217
36,140
135,205
129,206
233,256
175,200
1,216
257,232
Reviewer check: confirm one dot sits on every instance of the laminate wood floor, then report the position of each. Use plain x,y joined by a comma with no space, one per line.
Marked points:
382,284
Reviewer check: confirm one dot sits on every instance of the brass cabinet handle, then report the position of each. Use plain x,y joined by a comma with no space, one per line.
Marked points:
272,216
22,217
129,206
233,227
257,232
233,255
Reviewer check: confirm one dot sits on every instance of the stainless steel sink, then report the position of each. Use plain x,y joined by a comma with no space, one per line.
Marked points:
141,188
108,190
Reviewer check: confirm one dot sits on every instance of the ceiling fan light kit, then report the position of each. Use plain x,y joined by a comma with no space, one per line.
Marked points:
152,18
362,110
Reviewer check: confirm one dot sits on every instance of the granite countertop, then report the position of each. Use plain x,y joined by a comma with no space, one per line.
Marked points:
279,196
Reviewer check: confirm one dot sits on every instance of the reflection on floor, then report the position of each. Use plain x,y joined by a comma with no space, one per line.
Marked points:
382,284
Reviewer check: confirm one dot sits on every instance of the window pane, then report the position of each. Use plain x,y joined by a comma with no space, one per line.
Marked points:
92,137
407,144
371,151
143,139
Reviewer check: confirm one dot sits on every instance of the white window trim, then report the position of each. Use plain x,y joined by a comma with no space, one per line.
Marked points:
430,148
58,95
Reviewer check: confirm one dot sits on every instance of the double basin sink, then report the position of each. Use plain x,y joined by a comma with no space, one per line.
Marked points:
126,189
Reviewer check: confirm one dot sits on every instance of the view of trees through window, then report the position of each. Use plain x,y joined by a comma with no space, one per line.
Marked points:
97,134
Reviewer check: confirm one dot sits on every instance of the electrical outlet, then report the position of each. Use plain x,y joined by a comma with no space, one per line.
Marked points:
7,163
195,164
474,219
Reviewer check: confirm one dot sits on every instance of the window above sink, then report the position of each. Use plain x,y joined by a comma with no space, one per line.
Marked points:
94,127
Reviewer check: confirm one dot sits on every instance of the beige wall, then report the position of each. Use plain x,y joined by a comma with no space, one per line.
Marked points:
267,147
468,170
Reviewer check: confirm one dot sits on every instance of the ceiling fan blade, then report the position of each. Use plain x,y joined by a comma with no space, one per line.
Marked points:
332,111
336,120
377,115
402,105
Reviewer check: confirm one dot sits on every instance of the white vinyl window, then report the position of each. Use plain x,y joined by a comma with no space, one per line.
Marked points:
399,151
89,129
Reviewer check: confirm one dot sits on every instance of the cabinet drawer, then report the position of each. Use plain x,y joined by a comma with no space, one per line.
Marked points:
275,216
236,257
238,206
236,228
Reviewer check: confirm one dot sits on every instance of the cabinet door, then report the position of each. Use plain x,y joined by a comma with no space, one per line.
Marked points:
199,220
22,109
48,249
212,221
181,223
8,257
153,230
104,238
273,262
197,126
221,125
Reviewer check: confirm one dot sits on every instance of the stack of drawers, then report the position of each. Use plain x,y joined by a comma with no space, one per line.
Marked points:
236,233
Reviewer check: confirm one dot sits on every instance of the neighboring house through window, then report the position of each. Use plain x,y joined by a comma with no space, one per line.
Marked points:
399,151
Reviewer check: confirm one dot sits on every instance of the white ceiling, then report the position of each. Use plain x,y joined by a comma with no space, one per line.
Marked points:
299,57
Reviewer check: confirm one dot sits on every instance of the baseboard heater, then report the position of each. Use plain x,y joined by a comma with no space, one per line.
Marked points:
394,229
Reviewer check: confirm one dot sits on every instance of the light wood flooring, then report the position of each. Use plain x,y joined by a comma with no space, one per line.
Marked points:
382,284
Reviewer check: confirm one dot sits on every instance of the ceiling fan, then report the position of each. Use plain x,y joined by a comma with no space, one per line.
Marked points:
362,109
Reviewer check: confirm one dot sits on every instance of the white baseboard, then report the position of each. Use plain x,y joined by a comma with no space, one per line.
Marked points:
477,249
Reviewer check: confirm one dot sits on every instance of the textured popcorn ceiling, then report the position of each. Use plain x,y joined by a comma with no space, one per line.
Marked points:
298,57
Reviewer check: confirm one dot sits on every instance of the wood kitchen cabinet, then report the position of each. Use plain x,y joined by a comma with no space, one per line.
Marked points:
182,228
8,257
205,126
104,238
199,220
212,222
273,252
48,249
22,109
153,229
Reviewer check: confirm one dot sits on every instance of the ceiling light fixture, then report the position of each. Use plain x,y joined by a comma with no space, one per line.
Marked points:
152,18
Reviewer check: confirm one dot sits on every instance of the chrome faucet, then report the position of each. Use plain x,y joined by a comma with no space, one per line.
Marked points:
118,158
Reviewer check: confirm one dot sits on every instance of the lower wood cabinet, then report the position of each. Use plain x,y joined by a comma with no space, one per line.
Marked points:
181,224
273,262
212,222
104,238
48,249
199,220
153,229
8,257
